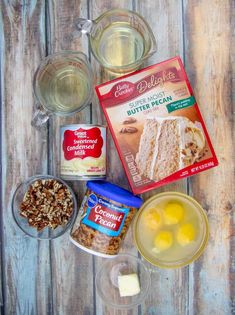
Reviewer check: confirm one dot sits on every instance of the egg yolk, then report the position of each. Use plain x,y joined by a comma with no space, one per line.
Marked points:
173,213
152,218
163,241
185,234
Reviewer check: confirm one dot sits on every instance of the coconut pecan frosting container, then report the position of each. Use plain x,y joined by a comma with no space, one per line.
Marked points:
104,218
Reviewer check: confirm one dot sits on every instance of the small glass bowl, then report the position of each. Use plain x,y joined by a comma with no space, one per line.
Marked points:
46,233
107,281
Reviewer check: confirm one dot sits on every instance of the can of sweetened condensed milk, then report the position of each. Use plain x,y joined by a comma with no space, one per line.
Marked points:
83,152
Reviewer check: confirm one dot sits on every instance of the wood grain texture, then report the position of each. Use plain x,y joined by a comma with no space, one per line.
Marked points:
57,278
72,269
2,52
115,172
166,21
208,42
26,265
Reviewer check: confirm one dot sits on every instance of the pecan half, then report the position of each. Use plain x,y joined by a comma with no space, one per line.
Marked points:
129,120
128,129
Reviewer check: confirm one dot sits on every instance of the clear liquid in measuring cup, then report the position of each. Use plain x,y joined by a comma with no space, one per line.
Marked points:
118,45
65,90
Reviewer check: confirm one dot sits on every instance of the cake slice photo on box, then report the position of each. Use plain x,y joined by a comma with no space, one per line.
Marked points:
169,144
156,125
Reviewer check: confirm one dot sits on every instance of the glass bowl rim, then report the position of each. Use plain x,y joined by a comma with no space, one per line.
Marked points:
28,182
196,254
133,304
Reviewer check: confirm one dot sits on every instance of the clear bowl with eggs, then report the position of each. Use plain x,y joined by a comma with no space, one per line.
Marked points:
171,230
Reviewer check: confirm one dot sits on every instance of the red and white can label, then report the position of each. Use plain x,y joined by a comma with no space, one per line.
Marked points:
82,143
104,216
83,150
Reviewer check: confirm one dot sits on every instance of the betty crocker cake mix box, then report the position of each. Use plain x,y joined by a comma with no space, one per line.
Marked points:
156,125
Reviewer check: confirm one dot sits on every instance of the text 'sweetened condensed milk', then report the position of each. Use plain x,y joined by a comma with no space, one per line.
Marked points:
83,152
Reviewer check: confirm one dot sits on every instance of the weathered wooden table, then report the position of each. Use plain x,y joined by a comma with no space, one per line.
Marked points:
40,277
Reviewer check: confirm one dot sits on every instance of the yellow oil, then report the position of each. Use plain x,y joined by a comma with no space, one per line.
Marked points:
118,45
176,237
64,88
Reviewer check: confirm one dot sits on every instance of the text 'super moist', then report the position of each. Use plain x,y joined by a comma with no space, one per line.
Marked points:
156,125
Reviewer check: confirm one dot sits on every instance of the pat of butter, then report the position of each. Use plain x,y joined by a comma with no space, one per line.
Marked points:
128,285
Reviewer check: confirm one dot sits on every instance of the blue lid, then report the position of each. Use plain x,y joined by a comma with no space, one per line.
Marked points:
115,193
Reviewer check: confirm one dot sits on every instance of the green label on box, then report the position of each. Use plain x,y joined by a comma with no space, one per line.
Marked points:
181,104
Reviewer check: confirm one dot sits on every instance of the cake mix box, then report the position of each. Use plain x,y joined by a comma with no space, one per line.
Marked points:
156,125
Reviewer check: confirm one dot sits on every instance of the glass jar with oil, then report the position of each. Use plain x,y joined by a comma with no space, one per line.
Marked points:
120,39
171,230
63,85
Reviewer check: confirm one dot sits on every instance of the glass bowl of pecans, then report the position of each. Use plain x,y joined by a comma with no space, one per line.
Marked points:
44,207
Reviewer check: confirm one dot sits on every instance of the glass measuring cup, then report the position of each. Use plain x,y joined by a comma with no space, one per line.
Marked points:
62,85
120,40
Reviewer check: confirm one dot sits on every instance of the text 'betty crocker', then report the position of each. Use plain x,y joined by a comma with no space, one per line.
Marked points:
156,125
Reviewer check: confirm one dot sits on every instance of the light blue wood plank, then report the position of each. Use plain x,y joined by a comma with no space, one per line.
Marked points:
208,37
169,290
1,101
116,172
72,269
26,267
